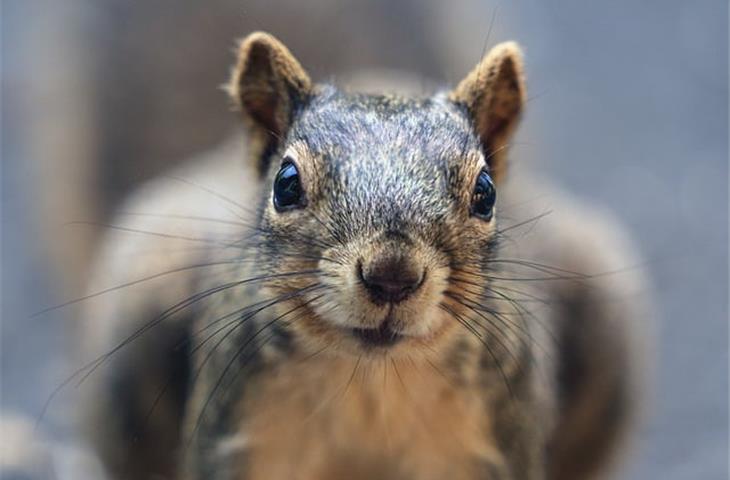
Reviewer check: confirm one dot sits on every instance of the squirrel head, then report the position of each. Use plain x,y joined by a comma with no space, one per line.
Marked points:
376,208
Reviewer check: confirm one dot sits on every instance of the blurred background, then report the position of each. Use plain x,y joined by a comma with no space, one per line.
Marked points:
628,110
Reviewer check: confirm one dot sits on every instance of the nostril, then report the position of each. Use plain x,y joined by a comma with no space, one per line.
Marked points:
391,279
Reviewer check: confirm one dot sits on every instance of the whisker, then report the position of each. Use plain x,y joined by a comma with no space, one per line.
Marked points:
491,287
478,336
132,283
521,308
228,366
531,357
536,218
185,217
89,368
538,266
212,192
145,232
481,310
238,322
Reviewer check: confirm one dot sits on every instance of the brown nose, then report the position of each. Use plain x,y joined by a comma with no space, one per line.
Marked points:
391,278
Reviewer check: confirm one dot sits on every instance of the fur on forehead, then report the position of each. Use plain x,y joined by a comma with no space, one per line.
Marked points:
407,158
273,91
375,140
351,124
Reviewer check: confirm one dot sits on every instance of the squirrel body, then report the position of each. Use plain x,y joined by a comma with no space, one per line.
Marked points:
280,345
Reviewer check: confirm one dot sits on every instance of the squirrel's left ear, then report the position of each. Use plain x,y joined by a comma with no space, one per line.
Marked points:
494,95
266,84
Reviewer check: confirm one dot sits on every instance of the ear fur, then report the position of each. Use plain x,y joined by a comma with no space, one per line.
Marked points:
494,95
266,85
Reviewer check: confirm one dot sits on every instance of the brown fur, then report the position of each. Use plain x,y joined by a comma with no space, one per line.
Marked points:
426,428
264,83
495,94
550,403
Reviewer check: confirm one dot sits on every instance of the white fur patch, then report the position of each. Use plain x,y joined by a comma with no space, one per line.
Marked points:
232,444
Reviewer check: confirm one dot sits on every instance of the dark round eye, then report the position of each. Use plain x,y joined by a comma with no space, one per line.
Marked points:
287,188
485,195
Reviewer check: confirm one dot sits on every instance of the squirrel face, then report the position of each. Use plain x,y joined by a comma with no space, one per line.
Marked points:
374,206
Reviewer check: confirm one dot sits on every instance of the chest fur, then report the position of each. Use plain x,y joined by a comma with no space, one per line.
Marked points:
356,418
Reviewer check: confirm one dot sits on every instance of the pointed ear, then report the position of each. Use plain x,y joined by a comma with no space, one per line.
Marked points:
494,95
267,84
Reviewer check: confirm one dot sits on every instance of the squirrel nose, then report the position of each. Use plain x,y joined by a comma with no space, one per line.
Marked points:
391,278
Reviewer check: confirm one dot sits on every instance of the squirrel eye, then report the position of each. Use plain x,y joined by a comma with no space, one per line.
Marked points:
485,196
287,188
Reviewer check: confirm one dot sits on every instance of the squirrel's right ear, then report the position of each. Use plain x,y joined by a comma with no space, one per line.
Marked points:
494,95
266,85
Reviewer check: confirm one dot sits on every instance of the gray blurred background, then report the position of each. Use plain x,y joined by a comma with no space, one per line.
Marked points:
628,109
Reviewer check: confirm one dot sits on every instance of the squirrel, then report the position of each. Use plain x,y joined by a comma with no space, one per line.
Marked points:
370,311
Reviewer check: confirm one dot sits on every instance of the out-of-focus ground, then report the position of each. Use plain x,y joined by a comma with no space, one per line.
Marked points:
628,110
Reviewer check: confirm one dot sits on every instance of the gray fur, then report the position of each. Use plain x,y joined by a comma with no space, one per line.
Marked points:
379,167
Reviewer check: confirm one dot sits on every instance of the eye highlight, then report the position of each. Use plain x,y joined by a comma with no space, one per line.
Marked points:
484,197
287,188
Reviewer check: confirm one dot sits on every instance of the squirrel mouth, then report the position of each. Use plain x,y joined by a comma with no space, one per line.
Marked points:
383,336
